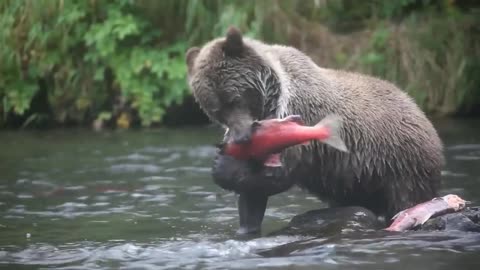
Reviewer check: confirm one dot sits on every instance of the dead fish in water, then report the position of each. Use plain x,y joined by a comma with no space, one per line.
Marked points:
270,137
419,214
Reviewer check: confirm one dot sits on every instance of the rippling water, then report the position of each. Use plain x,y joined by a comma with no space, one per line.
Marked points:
145,200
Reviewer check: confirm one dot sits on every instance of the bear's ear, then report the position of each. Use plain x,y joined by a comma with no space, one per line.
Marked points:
190,56
233,42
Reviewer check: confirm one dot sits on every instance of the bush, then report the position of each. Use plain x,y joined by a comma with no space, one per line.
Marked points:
103,59
122,61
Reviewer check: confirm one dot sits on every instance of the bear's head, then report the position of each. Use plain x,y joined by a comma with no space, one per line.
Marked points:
232,82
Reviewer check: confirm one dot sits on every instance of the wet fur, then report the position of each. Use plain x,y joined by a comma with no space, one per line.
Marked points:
395,155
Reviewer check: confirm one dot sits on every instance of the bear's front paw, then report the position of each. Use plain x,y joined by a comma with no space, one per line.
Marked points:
248,176
227,171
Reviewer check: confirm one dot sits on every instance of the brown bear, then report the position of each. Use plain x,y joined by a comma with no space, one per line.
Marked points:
395,154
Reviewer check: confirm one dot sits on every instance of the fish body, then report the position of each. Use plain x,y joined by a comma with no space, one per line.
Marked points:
419,214
270,137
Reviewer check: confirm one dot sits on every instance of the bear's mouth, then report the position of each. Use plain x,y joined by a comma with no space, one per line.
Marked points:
240,126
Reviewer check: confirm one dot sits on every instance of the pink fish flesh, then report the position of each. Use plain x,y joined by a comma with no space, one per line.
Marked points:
419,214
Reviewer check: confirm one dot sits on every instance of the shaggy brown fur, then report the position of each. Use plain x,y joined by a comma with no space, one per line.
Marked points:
395,155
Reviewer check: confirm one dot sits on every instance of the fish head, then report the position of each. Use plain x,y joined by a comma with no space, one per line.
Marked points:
455,202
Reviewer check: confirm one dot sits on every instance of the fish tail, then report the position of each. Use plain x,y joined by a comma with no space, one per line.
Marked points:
334,124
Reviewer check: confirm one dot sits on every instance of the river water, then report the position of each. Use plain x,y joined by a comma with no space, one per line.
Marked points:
75,199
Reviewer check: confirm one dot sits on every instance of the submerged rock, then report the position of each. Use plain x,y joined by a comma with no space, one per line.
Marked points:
331,221
343,227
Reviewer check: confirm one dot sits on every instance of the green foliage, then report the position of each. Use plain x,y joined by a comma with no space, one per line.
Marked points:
149,78
374,60
350,14
429,48
430,58
37,45
93,57
77,61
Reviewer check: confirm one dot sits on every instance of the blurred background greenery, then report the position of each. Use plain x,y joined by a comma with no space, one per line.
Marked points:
120,63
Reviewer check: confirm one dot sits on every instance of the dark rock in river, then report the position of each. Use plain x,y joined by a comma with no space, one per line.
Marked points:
332,221
467,220
349,226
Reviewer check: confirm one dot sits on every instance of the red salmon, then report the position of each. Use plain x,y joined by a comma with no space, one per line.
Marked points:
270,137
420,213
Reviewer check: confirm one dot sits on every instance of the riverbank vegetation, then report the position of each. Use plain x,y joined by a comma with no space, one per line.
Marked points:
121,63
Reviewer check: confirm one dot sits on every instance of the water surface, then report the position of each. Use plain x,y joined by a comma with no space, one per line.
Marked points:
75,199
